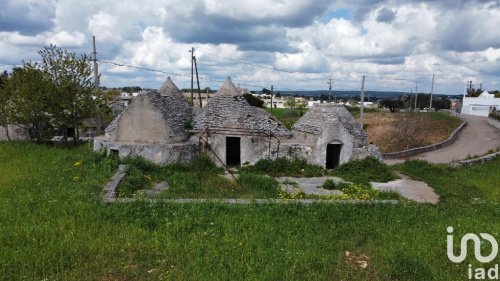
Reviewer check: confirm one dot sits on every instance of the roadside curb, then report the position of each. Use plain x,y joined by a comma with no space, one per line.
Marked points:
414,151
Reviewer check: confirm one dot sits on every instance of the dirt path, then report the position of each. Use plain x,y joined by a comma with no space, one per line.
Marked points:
476,139
417,191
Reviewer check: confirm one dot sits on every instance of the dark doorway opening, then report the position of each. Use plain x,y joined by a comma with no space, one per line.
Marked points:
333,155
233,151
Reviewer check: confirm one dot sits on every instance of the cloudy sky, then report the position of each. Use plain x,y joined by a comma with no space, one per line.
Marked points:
291,44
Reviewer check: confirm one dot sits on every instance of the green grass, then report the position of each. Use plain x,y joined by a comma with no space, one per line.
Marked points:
287,116
199,179
283,167
364,171
54,227
451,121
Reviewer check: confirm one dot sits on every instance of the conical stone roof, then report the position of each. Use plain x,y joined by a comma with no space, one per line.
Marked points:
229,112
228,88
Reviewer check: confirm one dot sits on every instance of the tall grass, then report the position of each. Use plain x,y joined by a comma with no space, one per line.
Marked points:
54,227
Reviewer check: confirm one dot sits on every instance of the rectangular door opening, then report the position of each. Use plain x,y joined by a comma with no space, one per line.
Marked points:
333,155
233,151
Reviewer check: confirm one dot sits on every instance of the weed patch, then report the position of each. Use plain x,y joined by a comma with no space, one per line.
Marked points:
283,167
364,171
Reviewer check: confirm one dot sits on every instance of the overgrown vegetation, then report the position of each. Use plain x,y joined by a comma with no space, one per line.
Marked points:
55,227
399,131
495,115
288,116
283,167
364,171
198,179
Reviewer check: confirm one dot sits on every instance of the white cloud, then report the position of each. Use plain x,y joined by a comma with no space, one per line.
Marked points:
402,40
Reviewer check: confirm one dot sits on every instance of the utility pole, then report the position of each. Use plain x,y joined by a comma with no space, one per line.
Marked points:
411,98
330,90
362,101
192,75
272,105
94,58
96,80
432,91
470,89
416,95
198,82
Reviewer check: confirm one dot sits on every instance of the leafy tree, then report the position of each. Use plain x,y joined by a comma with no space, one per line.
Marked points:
27,92
73,94
253,101
290,102
5,114
391,104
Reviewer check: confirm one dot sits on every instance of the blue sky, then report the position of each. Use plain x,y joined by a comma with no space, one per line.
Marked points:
291,44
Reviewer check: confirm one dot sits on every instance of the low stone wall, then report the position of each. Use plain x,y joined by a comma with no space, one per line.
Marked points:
413,151
158,153
477,160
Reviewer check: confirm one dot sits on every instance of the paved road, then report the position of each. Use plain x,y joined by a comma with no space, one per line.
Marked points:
476,139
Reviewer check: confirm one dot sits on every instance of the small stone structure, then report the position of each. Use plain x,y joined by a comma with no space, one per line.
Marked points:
332,134
237,132
15,132
154,126
163,127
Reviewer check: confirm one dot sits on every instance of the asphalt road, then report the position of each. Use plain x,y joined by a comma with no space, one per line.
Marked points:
477,138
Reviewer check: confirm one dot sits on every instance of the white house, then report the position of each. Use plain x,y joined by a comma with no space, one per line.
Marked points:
481,105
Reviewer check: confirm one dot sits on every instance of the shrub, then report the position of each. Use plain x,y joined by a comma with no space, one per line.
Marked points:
134,180
141,164
365,170
285,167
330,184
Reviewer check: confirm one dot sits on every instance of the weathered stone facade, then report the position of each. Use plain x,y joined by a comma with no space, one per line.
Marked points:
164,128
15,133
154,126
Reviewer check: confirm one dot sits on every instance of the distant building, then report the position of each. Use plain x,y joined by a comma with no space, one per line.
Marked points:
481,105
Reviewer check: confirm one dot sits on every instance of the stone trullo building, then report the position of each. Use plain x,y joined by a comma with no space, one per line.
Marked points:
163,127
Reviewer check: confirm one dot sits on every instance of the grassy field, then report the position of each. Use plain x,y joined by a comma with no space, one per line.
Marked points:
287,116
54,227
402,130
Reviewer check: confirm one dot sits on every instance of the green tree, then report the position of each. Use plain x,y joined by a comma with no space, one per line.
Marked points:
4,103
73,94
253,101
391,104
26,99
290,102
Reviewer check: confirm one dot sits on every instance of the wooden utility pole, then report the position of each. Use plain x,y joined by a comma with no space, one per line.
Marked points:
198,82
94,58
272,105
362,101
329,91
416,95
411,98
192,75
470,89
432,91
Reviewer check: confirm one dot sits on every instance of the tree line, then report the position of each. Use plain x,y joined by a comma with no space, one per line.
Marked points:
52,97
408,102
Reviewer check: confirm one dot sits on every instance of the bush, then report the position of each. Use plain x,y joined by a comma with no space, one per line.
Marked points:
285,167
364,171
141,164
330,184
134,180
495,115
